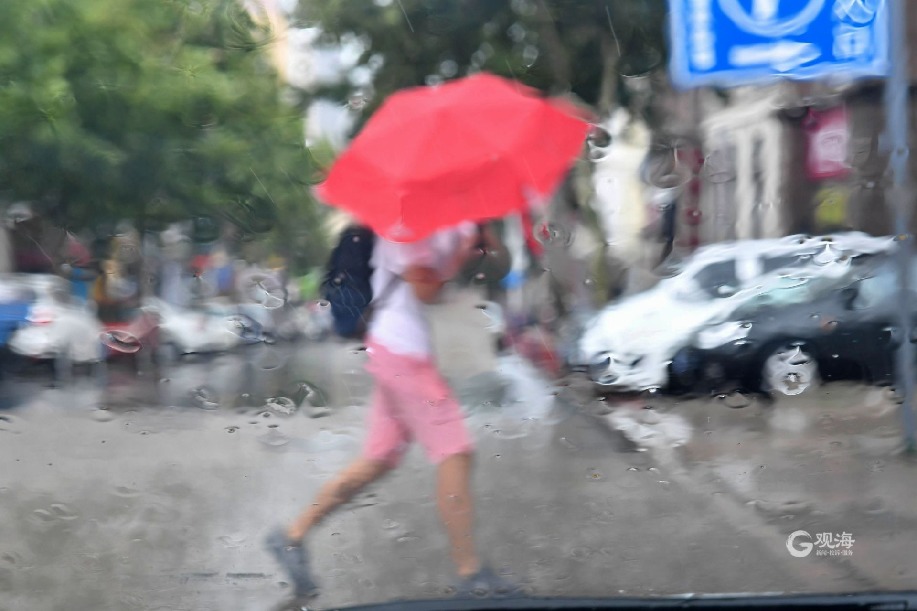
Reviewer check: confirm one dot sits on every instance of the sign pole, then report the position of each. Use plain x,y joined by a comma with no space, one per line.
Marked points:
896,139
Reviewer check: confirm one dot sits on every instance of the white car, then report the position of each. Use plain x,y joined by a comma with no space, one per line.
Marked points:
59,326
629,345
187,331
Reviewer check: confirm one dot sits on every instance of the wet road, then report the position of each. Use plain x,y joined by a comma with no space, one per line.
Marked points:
154,492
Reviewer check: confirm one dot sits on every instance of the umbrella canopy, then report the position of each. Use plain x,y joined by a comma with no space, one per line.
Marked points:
472,149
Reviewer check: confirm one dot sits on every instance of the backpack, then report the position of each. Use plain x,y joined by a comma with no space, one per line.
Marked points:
347,286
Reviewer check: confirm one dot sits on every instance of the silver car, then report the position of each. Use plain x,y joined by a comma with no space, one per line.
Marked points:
629,345
58,327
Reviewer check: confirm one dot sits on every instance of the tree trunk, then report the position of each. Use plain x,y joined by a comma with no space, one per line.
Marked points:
609,85
558,57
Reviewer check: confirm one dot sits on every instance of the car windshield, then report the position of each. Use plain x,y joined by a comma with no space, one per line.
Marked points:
321,304
12,293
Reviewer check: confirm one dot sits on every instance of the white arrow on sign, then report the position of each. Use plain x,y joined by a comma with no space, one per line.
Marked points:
783,55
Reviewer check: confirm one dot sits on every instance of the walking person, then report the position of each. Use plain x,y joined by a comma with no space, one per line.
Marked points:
410,401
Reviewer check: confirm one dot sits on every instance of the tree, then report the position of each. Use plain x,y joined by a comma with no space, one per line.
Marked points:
559,46
587,49
150,111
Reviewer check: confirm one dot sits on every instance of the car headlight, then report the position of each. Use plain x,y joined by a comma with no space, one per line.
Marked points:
721,334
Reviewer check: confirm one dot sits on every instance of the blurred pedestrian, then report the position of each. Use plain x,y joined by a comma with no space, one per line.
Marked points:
410,401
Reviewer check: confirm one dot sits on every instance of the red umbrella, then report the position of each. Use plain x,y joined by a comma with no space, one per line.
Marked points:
472,149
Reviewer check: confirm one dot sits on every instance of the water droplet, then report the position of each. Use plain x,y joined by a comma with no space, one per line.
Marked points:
232,429
232,542
11,558
281,405
274,439
876,506
44,515
735,400
102,415
582,553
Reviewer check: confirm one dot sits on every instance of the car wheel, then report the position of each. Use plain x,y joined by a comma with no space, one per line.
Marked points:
688,372
168,353
790,369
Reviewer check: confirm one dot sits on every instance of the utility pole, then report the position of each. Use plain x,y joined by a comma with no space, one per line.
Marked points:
896,143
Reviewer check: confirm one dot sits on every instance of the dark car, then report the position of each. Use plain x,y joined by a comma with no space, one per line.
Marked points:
789,339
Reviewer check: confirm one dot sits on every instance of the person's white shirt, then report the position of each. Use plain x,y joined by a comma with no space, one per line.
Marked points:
399,321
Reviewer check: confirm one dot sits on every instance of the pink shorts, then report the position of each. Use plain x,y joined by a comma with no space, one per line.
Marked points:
411,400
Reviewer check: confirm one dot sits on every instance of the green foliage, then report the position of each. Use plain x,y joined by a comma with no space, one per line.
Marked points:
151,110
559,46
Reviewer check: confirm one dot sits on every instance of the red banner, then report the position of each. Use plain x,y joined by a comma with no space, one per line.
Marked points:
828,135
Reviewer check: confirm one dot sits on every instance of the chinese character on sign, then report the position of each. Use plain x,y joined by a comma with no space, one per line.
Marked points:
846,541
851,43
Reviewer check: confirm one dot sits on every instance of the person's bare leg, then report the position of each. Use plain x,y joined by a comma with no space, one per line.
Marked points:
453,497
335,493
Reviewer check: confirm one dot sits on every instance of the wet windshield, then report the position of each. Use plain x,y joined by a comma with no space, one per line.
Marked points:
308,304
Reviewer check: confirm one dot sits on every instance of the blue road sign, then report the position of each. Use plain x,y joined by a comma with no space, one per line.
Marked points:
741,42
